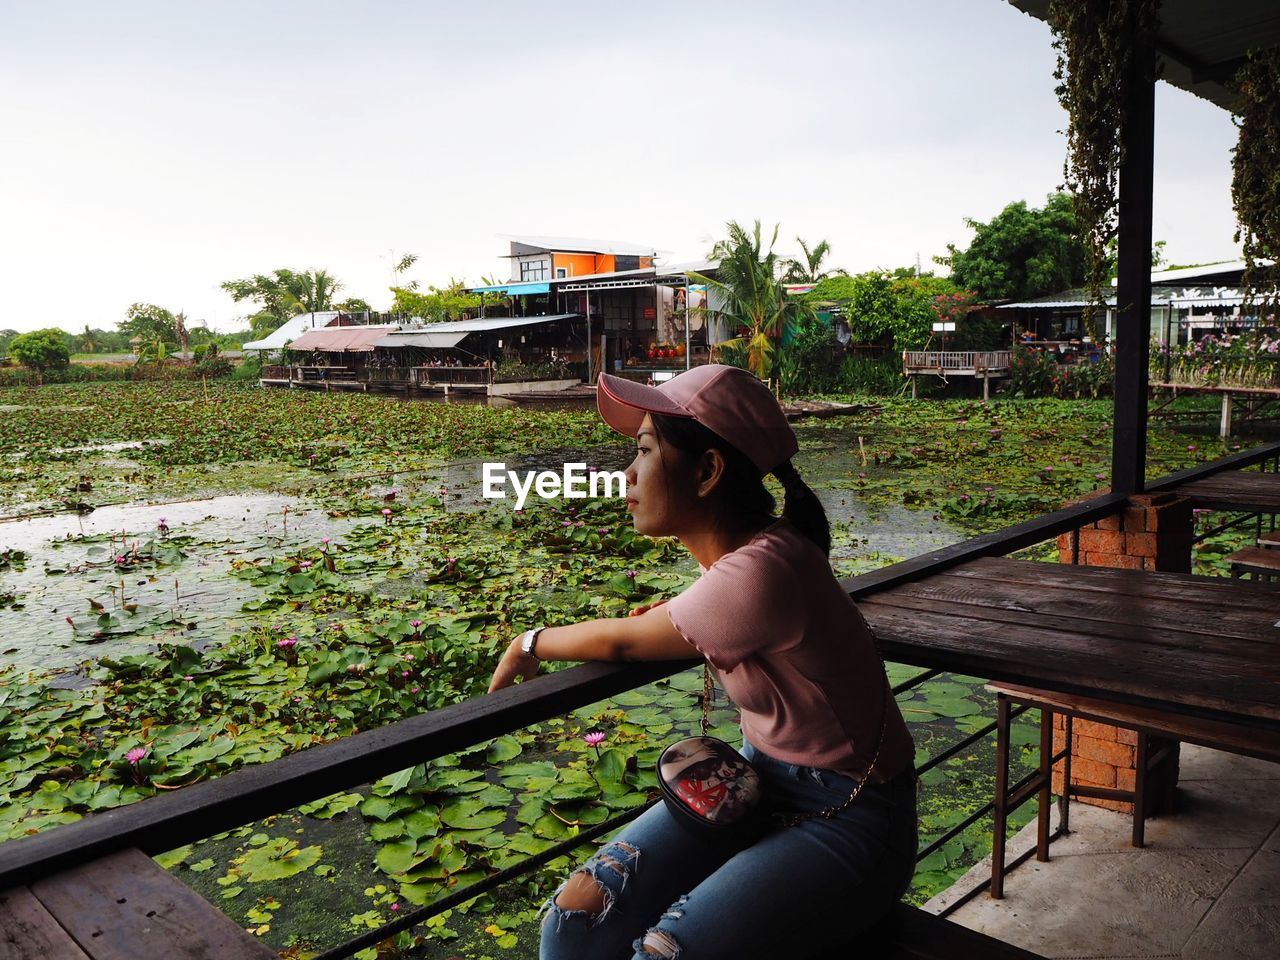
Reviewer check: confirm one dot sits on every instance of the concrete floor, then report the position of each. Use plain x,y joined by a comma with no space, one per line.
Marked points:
1207,885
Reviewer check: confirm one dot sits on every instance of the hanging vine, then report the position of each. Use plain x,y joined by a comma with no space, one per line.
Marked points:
1255,180
1095,40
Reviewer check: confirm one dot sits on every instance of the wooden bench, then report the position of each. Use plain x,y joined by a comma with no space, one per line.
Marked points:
1148,723
122,907
909,933
1270,540
1262,562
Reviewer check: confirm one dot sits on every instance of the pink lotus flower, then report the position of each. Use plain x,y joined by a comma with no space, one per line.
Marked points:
415,624
135,755
594,738
386,511
287,642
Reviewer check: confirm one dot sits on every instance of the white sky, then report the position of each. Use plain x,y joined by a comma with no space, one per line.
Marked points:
149,151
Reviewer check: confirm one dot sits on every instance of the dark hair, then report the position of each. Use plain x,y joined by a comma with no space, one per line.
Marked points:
742,486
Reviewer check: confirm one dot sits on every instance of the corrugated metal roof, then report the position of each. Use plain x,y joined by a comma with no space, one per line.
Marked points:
430,339
583,245
1160,297
279,338
438,331
341,339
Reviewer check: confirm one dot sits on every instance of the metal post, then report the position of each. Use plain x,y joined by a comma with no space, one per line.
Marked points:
1133,284
688,351
590,379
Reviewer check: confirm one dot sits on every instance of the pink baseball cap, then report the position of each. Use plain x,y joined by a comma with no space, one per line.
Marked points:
729,401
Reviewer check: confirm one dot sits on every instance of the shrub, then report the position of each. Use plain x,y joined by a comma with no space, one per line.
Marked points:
874,376
41,350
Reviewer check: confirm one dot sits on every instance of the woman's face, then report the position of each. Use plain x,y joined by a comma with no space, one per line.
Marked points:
660,498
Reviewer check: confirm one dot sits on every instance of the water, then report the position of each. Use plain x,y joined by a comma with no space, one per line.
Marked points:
70,562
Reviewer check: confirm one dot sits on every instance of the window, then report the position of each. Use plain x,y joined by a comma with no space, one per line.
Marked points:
531,270
561,273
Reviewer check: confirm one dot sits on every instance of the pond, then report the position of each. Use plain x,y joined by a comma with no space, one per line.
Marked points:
347,573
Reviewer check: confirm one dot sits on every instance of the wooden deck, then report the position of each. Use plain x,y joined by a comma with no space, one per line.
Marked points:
986,365
122,907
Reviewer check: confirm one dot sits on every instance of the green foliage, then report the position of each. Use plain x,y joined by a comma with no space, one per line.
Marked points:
810,360
1097,44
1022,252
1244,360
872,376
1255,187
150,322
1033,373
450,302
809,269
282,294
898,312
754,300
41,350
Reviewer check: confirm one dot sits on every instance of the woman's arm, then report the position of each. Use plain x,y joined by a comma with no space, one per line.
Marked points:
646,636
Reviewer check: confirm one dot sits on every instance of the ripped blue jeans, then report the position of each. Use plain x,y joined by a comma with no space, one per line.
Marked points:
796,892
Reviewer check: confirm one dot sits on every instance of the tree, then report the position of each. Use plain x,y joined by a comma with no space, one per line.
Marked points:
283,294
1022,252
438,303
353,305
41,350
150,322
809,270
895,308
754,300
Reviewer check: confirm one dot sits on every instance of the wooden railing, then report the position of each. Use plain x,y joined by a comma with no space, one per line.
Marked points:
955,361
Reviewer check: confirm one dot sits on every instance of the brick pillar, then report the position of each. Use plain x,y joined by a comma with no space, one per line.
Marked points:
1152,533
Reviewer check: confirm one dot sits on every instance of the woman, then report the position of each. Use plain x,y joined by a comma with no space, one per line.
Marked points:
792,652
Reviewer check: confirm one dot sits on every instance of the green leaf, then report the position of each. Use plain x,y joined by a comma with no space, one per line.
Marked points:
471,815
503,749
396,857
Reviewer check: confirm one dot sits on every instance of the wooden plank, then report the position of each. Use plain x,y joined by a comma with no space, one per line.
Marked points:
1239,490
126,907
1197,684
193,813
1136,584
1127,630
1113,615
29,932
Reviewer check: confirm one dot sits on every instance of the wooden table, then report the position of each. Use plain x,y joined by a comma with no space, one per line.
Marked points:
1200,646
1239,490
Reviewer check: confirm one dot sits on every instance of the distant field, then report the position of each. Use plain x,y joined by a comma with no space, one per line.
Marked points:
101,357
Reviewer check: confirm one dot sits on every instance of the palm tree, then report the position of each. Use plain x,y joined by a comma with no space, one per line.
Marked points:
87,342
809,270
754,299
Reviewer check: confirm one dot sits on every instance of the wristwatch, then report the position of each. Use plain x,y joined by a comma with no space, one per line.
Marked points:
529,639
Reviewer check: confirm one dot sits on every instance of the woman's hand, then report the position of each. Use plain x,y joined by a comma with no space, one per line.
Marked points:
645,608
514,663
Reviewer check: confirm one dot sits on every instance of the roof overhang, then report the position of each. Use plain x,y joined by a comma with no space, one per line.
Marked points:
452,332
514,289
1202,43
340,339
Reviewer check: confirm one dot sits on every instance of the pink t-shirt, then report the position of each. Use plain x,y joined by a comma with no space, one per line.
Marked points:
793,652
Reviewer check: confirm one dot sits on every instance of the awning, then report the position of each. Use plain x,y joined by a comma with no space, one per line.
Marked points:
432,340
341,339
452,332
514,289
